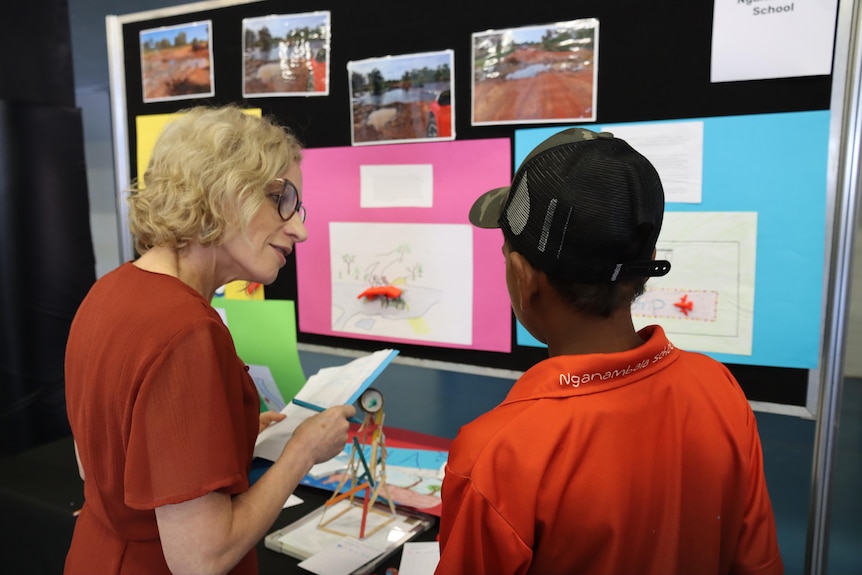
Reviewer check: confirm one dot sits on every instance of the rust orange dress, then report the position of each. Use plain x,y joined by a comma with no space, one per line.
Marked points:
162,410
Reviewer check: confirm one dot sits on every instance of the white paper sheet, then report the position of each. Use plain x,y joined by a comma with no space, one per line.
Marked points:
266,386
396,186
342,558
759,39
706,302
675,149
432,266
329,386
419,558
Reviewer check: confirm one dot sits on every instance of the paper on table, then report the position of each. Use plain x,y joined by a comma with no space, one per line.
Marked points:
292,501
419,558
341,558
335,465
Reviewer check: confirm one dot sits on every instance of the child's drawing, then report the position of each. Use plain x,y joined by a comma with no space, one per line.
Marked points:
706,302
402,281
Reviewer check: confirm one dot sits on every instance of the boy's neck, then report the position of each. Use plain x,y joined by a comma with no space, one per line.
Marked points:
575,334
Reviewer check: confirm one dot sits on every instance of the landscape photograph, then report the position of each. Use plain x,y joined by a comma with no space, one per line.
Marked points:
398,98
176,62
286,55
536,73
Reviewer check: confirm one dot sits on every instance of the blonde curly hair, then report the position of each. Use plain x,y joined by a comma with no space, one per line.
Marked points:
207,173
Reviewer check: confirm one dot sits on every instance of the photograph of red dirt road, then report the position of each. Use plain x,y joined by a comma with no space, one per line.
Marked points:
176,63
535,74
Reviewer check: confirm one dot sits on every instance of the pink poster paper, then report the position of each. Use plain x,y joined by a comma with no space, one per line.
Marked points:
462,170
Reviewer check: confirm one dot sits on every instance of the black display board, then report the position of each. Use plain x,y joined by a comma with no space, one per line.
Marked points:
654,65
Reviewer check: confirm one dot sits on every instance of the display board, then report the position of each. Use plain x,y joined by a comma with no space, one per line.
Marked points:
408,112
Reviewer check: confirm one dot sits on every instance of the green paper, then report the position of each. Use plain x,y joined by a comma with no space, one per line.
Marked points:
264,333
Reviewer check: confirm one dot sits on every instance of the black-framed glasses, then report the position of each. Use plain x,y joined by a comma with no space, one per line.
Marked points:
288,201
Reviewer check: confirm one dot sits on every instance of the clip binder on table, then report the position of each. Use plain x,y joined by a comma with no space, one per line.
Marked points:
365,475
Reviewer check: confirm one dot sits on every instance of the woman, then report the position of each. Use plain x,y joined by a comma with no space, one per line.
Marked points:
163,412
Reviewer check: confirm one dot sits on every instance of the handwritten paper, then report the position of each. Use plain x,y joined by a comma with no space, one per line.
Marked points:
343,557
419,558
675,149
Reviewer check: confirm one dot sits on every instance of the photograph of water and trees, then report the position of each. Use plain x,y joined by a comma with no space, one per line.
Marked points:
399,98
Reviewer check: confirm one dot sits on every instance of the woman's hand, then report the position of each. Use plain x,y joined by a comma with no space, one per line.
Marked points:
324,435
267,418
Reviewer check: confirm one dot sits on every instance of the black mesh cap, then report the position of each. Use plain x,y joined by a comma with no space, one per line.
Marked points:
583,207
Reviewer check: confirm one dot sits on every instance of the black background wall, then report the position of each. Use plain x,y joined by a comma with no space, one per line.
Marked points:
654,65
47,262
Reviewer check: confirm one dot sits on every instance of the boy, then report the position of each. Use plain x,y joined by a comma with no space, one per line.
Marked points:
620,454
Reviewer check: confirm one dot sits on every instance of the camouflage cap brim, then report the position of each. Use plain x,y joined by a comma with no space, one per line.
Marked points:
486,210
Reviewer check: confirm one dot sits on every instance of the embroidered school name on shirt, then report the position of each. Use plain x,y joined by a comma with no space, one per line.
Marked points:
575,380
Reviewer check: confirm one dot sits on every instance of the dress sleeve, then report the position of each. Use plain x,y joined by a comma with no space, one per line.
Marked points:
186,424
474,538
757,549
